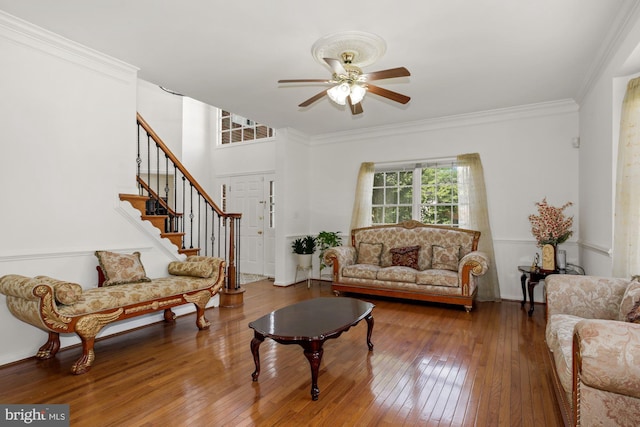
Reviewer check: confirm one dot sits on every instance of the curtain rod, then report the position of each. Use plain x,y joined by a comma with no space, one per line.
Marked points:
413,162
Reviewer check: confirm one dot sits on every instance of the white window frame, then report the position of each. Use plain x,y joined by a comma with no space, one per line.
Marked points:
416,188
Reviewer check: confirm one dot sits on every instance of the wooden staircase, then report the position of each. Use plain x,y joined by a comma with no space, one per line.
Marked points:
158,221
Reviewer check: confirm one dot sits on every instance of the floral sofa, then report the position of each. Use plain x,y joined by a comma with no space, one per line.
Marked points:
593,338
56,306
410,260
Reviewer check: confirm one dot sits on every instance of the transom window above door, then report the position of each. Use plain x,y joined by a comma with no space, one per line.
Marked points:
235,128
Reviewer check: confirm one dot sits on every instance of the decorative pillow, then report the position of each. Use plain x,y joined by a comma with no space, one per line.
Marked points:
212,261
369,253
119,269
406,257
634,315
445,258
629,304
191,268
65,293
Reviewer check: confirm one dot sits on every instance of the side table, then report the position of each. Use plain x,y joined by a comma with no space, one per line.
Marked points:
533,276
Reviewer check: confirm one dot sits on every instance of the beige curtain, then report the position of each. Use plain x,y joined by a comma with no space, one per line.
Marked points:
626,234
474,215
361,215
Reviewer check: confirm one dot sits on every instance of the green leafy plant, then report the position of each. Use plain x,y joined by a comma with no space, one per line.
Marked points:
326,240
304,245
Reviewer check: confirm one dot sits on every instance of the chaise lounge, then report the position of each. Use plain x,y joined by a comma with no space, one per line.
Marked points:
57,306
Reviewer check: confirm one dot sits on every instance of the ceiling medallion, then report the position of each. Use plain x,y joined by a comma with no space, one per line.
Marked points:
366,48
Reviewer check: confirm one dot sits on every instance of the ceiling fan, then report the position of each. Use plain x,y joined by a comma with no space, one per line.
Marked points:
350,84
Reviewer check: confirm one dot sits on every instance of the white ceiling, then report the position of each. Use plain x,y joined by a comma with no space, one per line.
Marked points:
464,55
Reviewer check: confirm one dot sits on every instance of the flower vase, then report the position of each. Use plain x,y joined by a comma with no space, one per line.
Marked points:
549,257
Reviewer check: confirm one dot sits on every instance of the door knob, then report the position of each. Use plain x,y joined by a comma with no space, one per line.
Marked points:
260,232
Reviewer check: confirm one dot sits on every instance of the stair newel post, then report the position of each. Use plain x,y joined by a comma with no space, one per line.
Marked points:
232,294
231,276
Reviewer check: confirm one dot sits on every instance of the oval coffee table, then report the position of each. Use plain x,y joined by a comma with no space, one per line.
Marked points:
309,324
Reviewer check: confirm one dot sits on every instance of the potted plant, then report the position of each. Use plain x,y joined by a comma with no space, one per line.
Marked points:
304,247
326,240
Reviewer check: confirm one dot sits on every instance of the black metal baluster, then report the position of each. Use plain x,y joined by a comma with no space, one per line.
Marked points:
191,217
175,195
199,219
148,161
183,210
157,189
138,163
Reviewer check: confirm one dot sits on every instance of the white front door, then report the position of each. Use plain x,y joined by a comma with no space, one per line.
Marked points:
250,196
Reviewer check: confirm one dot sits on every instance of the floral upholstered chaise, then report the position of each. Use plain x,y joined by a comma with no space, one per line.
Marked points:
593,337
410,260
57,306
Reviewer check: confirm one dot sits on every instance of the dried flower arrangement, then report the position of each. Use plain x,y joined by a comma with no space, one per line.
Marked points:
551,226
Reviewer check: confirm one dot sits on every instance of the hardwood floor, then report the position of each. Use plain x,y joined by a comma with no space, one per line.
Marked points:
432,365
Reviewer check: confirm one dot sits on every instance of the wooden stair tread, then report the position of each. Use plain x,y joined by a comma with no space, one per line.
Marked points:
189,251
137,201
175,238
158,221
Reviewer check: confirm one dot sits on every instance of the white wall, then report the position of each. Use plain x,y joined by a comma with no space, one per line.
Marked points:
68,149
526,154
163,112
599,128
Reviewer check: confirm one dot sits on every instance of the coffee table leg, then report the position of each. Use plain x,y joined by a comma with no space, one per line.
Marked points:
255,344
313,351
369,320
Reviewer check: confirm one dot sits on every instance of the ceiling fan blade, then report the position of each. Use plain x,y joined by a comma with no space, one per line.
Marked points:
355,108
304,81
313,99
394,96
336,66
387,74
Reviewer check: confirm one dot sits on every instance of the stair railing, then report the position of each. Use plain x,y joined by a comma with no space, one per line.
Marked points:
172,191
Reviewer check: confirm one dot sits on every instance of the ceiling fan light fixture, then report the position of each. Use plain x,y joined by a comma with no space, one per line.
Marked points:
339,93
357,93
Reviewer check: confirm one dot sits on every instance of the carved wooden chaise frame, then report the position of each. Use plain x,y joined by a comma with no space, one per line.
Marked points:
43,313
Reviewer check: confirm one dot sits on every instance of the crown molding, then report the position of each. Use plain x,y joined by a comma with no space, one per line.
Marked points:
26,34
563,106
620,28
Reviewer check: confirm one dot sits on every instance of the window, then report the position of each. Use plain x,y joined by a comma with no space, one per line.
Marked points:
425,192
235,128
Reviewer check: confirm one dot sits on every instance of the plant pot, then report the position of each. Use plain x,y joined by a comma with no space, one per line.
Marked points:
304,260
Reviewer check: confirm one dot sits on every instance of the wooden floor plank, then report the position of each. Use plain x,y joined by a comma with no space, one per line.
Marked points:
433,365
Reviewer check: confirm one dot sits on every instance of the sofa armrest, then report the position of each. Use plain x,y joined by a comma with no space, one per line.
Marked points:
18,286
476,262
342,255
606,355
588,297
338,257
